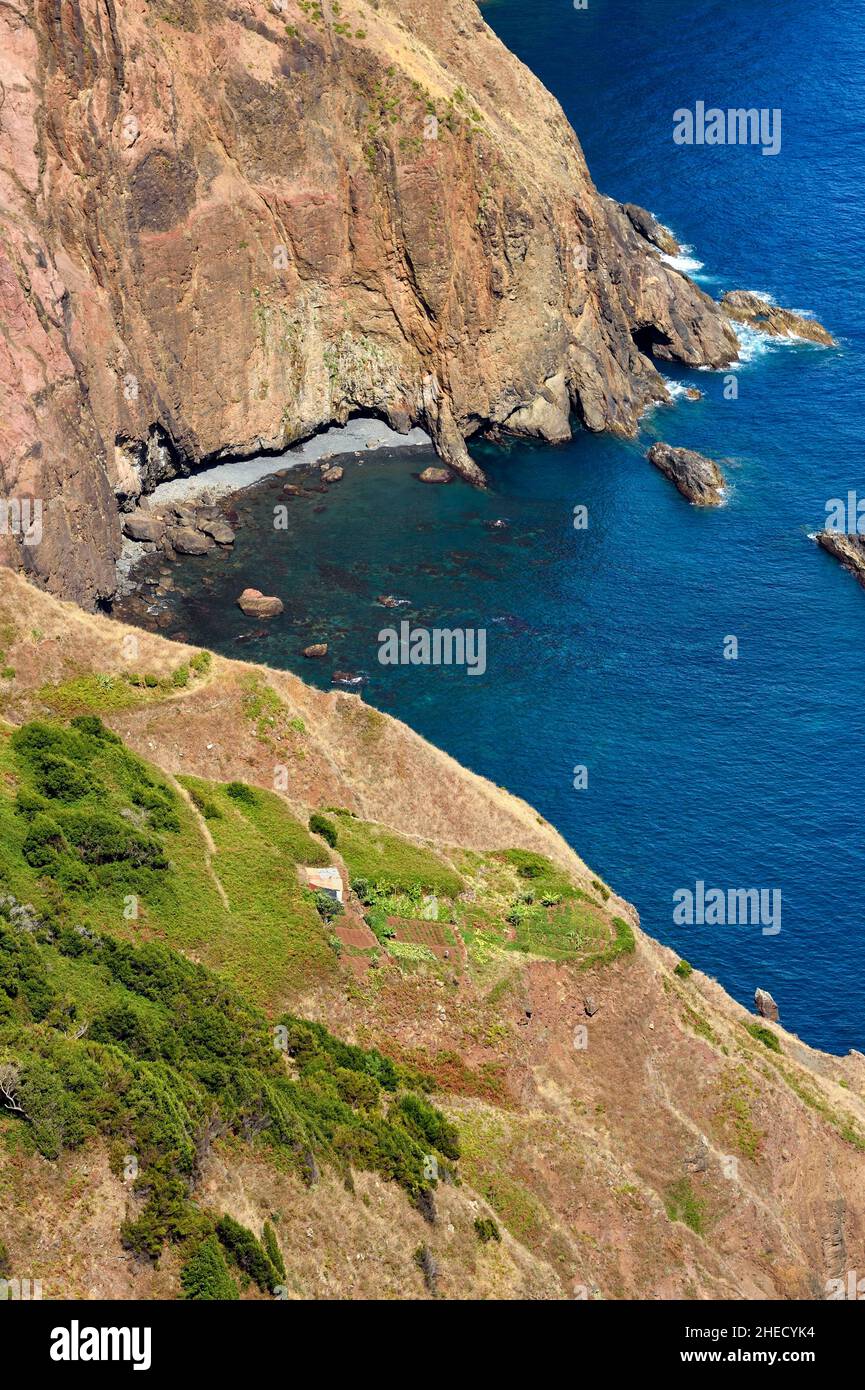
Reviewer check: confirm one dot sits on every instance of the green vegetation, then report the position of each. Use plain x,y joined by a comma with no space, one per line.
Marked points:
684,970
273,1252
205,1275
159,1057
97,694
682,1204
247,1253
521,901
99,838
320,825
486,1230
764,1035
389,863
738,1092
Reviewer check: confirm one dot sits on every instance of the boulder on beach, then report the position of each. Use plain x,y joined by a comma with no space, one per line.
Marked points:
848,548
218,529
143,526
697,478
255,604
435,475
746,307
315,649
187,541
651,229
333,475
182,515
765,1005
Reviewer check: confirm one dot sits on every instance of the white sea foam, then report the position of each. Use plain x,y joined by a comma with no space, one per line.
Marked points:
752,344
676,389
688,264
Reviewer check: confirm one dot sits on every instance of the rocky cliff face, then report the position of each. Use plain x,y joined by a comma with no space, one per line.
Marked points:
228,225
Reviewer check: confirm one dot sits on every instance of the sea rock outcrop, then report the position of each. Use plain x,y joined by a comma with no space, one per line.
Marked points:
848,548
435,475
649,227
765,1005
226,227
753,309
698,478
255,604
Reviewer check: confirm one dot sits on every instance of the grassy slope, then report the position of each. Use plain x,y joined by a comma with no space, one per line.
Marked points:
263,934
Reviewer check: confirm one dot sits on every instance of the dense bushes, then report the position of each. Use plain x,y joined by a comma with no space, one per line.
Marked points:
205,1275
171,1060
102,838
326,906
320,825
430,1125
247,1253
239,791
486,1230
89,803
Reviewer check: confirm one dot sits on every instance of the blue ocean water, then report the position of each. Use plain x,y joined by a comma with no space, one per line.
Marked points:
605,646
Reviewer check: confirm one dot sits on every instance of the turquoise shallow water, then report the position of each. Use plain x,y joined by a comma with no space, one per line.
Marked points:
605,646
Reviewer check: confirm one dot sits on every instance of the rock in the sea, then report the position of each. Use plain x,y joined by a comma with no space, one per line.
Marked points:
333,475
218,529
692,394
187,541
388,601
697,478
435,475
848,548
765,1005
143,526
292,490
316,649
746,307
651,229
255,604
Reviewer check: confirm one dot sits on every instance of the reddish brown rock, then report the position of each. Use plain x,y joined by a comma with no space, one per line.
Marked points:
765,1005
255,604
143,526
698,478
849,549
753,309
315,650
218,529
187,541
271,256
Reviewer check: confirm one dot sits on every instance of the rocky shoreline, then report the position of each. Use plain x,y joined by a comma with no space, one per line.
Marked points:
849,548
193,514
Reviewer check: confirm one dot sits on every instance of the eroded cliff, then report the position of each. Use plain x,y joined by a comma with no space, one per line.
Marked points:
224,227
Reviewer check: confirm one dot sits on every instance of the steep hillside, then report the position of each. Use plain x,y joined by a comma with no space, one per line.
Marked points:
226,226
476,1079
